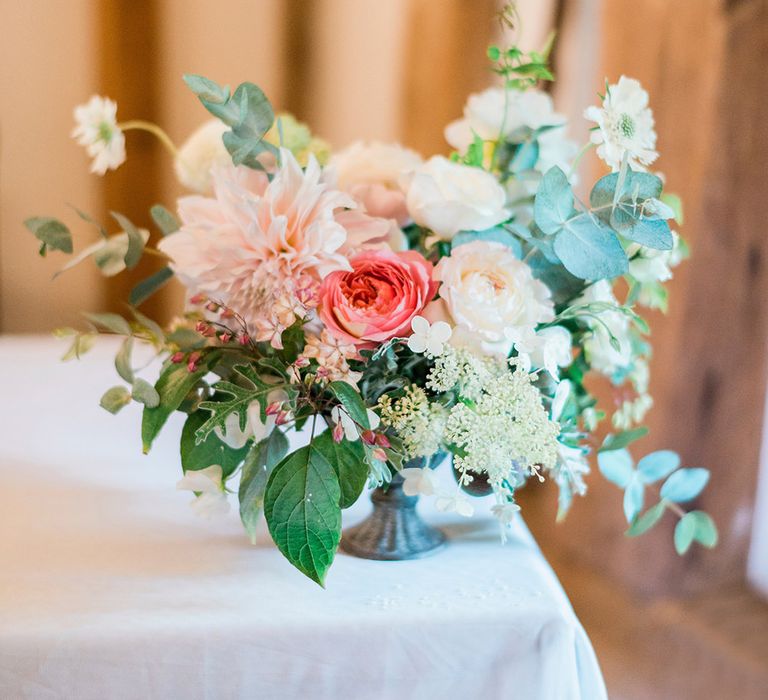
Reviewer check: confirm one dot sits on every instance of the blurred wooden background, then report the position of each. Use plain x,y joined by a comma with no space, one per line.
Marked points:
401,69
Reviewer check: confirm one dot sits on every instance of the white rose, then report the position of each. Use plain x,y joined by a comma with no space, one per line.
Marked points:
372,172
490,294
199,154
449,197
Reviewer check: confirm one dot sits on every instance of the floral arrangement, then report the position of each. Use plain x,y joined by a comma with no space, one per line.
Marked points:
397,308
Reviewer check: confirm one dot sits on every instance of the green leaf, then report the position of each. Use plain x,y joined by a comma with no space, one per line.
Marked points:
89,219
51,233
633,497
622,439
256,389
147,287
302,509
115,398
553,205
175,382
348,459
706,530
496,235
145,393
657,465
257,468
123,360
206,89
589,250
616,466
212,450
166,222
525,157
136,240
647,520
112,322
149,326
685,484
352,402
685,530
674,202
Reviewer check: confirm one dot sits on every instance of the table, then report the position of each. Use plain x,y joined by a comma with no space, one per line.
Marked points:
111,587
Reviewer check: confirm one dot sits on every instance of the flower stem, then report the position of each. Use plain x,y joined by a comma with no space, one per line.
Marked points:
152,129
586,147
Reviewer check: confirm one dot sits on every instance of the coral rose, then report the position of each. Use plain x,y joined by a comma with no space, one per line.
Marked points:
378,299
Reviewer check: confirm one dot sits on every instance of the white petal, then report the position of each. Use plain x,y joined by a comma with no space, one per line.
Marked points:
435,347
373,419
440,331
232,436
211,505
417,343
206,480
420,325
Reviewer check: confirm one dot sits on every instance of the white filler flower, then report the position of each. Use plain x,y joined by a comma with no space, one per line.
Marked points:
428,338
203,150
625,125
418,481
212,500
98,131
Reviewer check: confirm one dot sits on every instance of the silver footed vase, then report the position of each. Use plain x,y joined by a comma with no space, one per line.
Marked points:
394,531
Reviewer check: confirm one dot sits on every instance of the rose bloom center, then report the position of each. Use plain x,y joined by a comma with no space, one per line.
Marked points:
367,292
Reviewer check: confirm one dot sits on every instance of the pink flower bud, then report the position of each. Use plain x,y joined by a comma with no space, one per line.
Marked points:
338,432
177,357
198,299
283,417
322,372
227,313
274,408
243,339
301,361
382,440
369,437
225,337
212,306
201,326
379,454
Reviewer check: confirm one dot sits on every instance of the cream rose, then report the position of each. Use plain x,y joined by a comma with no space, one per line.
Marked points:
199,154
450,197
490,295
371,173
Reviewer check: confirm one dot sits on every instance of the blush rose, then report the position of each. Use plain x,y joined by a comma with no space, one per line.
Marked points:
378,298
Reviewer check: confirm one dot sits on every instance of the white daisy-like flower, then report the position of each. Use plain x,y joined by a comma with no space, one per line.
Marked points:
98,131
457,503
211,500
418,481
625,125
428,338
350,428
550,348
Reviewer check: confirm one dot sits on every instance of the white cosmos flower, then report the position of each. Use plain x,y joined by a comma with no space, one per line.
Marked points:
456,503
428,338
418,481
549,348
625,125
97,130
351,429
212,500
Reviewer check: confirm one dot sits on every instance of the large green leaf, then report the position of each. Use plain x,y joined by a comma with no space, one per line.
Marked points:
589,250
173,385
258,466
348,459
210,451
302,509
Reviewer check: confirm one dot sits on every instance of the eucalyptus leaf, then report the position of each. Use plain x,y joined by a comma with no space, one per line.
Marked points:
685,530
616,466
165,220
51,232
553,205
647,520
633,498
112,322
123,360
495,235
115,399
685,484
206,89
143,392
589,250
706,530
657,465
301,506
136,240
147,287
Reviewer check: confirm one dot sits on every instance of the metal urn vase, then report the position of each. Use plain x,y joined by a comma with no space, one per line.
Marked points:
394,530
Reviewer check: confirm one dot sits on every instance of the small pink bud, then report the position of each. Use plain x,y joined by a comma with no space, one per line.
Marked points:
382,440
198,299
201,326
177,357
322,372
243,339
338,432
212,306
274,408
379,454
283,417
227,313
225,337
301,361
369,437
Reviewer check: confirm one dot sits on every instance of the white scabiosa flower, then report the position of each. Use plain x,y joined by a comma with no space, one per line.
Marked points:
201,152
624,125
428,338
449,197
211,500
98,131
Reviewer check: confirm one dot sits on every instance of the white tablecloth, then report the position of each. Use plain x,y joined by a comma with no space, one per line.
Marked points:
111,587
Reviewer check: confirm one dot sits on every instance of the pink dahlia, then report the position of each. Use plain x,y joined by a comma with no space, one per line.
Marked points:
258,246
